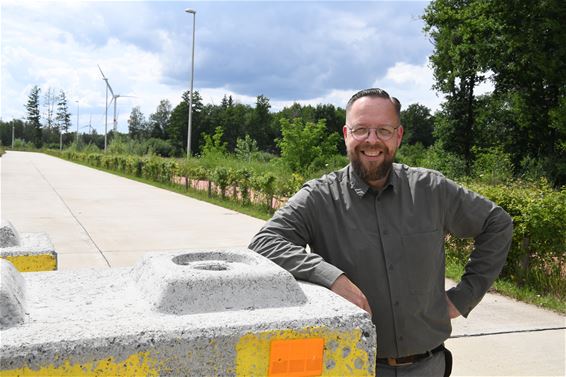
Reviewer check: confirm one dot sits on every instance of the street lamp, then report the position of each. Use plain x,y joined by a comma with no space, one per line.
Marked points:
77,101
194,13
13,134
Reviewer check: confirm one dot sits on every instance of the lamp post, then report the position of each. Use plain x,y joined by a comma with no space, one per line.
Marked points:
193,12
13,134
77,101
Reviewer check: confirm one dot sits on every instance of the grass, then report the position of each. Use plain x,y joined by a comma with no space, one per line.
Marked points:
454,269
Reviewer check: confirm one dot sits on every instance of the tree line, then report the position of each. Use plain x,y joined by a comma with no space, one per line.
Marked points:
518,46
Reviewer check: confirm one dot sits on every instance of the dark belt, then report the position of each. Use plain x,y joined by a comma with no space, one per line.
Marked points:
408,360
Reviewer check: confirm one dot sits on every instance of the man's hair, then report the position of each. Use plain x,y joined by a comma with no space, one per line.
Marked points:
374,92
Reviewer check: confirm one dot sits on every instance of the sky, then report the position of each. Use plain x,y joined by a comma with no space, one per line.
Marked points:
311,52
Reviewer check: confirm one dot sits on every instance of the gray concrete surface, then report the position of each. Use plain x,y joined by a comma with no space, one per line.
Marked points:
76,320
98,220
202,281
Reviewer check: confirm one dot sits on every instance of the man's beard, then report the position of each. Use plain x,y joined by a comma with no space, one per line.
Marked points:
373,172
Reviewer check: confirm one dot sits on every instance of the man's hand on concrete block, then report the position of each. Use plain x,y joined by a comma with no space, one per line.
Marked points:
345,288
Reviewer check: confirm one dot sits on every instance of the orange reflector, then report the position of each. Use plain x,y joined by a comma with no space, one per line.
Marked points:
296,357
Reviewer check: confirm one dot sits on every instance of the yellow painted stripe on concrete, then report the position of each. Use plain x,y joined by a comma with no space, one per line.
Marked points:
342,355
33,262
139,364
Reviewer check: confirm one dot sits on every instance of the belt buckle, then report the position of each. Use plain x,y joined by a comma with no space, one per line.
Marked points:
393,362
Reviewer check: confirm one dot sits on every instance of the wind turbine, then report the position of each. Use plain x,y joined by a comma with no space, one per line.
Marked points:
108,87
115,99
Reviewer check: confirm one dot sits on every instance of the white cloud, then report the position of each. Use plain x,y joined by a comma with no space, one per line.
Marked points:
312,52
411,84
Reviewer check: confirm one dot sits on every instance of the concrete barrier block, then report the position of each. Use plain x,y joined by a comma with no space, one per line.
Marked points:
212,281
12,295
8,235
31,252
107,322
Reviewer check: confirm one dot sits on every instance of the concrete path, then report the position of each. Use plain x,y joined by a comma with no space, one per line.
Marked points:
100,220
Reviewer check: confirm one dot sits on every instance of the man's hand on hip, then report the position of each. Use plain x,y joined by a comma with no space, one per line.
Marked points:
345,288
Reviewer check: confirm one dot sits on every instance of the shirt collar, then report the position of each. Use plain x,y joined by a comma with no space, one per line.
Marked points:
361,188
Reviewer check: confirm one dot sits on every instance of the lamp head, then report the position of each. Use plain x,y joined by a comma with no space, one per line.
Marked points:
189,10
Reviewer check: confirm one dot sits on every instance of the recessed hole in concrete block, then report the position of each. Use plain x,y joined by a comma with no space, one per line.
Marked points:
202,258
213,265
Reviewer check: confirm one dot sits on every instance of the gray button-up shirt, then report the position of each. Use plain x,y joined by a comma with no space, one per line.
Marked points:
391,245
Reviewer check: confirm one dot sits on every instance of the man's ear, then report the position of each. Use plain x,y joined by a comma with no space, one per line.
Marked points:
400,132
345,132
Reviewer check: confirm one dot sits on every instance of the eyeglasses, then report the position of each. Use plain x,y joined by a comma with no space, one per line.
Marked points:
362,133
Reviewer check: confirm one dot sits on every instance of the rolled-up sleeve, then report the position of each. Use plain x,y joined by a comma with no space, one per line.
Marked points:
469,215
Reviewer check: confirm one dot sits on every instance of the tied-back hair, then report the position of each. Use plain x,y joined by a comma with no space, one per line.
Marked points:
374,92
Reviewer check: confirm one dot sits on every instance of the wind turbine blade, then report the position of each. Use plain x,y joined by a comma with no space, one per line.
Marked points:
111,91
102,73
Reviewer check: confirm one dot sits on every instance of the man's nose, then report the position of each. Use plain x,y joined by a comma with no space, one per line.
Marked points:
372,137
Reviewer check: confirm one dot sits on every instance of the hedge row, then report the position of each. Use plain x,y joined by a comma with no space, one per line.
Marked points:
164,170
537,256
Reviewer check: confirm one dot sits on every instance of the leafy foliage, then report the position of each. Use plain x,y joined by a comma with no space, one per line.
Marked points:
33,116
306,146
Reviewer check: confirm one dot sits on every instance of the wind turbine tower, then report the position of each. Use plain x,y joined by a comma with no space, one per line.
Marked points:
115,99
108,87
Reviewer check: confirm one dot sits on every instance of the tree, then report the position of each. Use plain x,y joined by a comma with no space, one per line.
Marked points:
49,101
159,120
521,44
246,148
458,28
528,65
213,145
33,116
259,127
306,146
137,125
176,130
63,117
334,118
418,124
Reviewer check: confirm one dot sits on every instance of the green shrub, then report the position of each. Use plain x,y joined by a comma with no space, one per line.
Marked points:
447,163
538,252
411,154
492,166
306,146
264,184
220,176
22,145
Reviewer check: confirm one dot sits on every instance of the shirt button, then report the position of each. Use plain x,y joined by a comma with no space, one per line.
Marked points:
390,267
401,338
385,232
396,303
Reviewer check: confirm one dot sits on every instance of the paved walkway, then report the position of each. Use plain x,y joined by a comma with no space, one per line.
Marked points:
101,220
97,219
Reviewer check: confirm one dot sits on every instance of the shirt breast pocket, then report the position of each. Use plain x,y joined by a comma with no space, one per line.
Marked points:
423,260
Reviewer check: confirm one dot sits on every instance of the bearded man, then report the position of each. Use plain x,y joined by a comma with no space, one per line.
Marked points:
376,232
